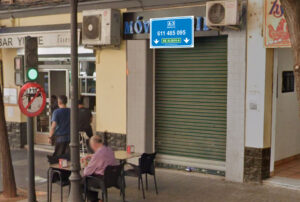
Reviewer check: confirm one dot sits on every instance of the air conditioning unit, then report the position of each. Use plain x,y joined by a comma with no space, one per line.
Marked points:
101,27
222,13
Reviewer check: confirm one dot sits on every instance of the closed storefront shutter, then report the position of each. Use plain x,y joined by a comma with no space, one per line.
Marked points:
191,100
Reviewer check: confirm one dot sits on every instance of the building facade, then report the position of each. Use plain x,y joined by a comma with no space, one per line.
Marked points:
209,108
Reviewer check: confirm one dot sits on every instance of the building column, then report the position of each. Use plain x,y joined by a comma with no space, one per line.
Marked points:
140,95
258,97
236,106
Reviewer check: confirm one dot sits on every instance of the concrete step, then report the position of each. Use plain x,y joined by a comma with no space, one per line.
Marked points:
283,182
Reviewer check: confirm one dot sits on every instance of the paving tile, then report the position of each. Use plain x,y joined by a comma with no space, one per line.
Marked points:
176,186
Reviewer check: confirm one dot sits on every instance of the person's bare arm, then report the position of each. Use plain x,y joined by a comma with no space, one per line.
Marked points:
52,130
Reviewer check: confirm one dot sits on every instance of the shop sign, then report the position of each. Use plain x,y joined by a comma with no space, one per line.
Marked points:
276,29
175,32
61,38
137,24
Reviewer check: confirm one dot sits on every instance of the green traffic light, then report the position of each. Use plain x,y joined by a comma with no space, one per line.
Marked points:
32,74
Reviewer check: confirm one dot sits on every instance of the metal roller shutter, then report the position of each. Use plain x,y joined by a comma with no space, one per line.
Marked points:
191,100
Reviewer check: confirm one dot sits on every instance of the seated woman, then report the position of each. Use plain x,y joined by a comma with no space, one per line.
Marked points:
103,156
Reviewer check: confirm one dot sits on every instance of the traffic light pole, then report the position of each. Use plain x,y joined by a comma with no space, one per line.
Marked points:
75,178
31,63
30,153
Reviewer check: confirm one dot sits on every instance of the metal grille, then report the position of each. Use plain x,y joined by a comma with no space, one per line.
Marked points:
191,100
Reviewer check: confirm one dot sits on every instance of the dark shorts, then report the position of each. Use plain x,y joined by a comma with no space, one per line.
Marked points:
61,148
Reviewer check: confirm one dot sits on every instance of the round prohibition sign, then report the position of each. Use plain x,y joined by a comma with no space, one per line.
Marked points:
32,99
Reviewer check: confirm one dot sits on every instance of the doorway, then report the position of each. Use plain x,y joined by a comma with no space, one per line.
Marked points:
56,82
286,128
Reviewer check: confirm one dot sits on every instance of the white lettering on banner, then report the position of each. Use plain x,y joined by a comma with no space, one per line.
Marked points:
60,38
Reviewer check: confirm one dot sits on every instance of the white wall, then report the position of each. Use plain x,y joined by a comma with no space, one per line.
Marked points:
287,137
256,69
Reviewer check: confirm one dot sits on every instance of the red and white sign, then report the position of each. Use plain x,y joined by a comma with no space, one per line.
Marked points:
276,29
32,99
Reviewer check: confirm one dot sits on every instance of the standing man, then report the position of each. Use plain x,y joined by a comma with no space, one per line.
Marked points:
85,119
60,127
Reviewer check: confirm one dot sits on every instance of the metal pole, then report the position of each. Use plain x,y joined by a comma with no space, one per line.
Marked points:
75,178
30,143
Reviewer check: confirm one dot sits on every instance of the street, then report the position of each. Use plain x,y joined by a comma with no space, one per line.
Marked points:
206,91
172,185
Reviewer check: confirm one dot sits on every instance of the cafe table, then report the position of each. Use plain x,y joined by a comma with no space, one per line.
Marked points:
123,156
120,155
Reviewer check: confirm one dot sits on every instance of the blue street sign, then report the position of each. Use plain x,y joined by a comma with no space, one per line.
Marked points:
175,32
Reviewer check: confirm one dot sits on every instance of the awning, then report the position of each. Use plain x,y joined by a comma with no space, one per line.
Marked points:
48,36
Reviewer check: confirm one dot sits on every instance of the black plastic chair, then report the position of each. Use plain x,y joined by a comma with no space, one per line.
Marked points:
146,167
62,180
113,177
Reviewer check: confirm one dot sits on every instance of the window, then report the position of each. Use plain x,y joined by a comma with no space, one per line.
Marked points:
87,78
288,83
87,83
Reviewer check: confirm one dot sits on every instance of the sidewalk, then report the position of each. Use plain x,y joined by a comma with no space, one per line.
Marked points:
174,186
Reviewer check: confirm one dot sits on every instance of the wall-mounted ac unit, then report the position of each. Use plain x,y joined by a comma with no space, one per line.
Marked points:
222,13
101,27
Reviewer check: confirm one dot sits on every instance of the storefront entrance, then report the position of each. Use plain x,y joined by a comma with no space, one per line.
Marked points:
191,104
55,80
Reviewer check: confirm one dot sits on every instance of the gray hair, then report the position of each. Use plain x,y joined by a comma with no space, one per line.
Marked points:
97,139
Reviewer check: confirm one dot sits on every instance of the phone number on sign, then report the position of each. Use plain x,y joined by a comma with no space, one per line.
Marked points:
171,33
